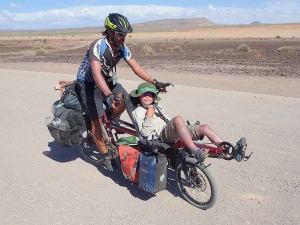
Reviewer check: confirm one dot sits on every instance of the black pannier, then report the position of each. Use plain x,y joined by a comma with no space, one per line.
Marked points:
66,126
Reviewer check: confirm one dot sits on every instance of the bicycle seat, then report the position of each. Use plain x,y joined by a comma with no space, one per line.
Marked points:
131,104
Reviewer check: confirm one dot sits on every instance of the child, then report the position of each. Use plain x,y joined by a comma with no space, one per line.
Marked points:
152,121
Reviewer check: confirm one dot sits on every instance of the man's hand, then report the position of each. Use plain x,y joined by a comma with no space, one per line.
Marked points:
160,86
110,99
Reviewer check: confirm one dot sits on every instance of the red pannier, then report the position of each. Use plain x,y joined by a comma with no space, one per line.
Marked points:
129,157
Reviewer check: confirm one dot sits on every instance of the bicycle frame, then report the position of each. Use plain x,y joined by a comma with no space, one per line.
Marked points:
214,152
118,128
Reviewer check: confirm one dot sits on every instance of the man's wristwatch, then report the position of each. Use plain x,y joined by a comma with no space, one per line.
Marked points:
154,81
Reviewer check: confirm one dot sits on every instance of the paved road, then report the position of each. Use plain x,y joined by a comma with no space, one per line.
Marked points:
42,183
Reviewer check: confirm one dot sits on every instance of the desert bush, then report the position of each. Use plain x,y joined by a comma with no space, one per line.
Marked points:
170,49
45,41
177,48
243,48
40,52
2,44
286,49
36,48
48,47
277,37
259,55
147,50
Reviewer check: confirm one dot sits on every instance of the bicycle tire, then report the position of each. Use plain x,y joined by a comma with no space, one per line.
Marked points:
207,182
91,154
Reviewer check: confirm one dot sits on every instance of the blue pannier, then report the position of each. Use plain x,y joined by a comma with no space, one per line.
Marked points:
152,172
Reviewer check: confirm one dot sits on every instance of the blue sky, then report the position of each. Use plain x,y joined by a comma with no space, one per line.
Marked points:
44,14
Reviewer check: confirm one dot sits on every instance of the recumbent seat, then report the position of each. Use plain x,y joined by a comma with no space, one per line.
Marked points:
131,104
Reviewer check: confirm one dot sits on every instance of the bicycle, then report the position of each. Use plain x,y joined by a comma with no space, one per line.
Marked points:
191,176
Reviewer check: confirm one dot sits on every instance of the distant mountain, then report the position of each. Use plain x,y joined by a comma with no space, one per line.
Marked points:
174,23
151,25
256,23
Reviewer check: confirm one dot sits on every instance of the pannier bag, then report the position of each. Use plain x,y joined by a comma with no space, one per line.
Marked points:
70,98
129,157
152,172
66,126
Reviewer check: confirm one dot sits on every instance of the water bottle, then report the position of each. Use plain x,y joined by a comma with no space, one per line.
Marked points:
56,122
64,126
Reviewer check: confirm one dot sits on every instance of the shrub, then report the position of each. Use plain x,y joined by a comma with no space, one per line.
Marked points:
2,44
48,47
243,48
170,49
147,50
40,52
177,48
286,49
259,55
36,48
45,41
277,37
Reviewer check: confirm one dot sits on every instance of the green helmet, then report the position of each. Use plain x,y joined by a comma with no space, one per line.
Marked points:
117,22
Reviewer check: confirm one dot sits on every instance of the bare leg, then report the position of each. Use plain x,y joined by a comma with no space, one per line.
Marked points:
210,134
98,135
183,133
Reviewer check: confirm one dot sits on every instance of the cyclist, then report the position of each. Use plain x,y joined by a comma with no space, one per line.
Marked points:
152,121
97,78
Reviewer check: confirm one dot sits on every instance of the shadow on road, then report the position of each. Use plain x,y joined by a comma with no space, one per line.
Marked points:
133,188
61,154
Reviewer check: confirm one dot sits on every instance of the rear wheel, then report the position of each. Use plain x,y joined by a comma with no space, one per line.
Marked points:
91,153
196,184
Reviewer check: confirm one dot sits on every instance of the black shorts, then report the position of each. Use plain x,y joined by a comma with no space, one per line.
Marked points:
93,98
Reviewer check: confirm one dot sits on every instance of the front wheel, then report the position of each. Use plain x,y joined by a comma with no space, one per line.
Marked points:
196,184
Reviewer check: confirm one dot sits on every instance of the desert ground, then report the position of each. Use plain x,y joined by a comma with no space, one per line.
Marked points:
253,93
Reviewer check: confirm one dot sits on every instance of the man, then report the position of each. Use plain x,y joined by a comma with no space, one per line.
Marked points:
98,80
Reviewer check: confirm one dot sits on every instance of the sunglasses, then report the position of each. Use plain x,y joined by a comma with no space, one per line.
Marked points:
121,34
149,94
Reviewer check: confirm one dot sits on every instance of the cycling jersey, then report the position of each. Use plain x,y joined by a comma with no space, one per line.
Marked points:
101,51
